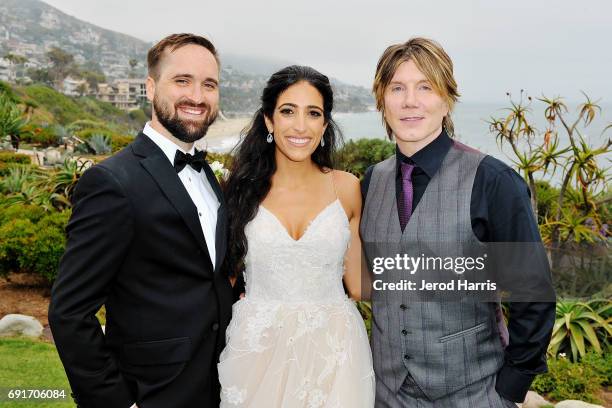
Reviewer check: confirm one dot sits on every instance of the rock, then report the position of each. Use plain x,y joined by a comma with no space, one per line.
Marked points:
533,400
576,404
53,156
20,325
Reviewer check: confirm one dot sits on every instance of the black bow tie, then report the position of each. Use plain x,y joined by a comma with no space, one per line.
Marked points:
182,159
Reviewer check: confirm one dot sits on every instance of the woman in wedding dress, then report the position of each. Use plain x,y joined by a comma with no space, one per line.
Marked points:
295,339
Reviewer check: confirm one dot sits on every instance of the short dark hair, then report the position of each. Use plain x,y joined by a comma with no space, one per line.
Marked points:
173,42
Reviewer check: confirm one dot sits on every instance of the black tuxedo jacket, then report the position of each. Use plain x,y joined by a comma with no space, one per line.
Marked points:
135,244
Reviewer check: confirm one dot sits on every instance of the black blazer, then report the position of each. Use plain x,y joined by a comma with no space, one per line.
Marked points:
135,244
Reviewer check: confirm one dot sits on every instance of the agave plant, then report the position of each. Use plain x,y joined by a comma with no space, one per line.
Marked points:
64,180
579,321
29,194
18,176
100,144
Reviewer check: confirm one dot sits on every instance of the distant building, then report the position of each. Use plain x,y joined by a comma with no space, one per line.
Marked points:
125,94
75,87
7,73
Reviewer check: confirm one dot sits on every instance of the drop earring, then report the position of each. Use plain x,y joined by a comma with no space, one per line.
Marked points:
322,142
270,138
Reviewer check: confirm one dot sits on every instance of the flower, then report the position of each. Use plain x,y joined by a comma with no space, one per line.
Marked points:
220,171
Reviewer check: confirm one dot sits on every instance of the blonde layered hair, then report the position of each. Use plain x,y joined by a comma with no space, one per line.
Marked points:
431,59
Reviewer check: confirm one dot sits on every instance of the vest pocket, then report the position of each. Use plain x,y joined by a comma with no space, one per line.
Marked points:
462,333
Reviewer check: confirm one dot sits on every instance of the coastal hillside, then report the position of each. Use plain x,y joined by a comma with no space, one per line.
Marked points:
30,28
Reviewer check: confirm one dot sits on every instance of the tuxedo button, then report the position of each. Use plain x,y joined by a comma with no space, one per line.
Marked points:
215,326
405,332
200,214
403,306
406,357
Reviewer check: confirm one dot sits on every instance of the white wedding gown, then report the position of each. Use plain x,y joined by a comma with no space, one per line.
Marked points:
295,339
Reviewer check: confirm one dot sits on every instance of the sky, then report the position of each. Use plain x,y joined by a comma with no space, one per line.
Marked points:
555,48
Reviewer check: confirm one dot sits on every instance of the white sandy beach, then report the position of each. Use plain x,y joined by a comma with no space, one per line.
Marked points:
223,134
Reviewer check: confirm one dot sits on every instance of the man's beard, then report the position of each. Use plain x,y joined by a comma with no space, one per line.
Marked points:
187,131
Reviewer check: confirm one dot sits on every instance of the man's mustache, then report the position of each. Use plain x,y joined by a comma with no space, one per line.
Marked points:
192,104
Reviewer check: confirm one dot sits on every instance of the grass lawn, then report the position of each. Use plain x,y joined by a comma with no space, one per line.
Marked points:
30,364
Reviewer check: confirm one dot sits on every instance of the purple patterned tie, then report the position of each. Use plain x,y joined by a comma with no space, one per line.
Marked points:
406,207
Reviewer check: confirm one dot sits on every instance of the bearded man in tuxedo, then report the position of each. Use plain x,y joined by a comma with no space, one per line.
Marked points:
147,238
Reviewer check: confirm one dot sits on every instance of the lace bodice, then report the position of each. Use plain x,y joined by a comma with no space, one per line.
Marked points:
280,268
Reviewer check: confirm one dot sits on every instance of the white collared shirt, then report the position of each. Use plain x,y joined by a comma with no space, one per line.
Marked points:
197,186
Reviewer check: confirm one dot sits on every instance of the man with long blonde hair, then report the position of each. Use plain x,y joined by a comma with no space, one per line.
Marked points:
438,193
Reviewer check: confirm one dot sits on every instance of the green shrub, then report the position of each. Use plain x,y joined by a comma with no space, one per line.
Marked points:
83,124
27,212
118,142
578,381
63,108
602,364
15,236
43,136
87,133
138,116
6,157
356,156
29,246
46,247
99,109
7,90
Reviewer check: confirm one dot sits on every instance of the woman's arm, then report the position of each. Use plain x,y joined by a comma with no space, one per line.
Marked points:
349,193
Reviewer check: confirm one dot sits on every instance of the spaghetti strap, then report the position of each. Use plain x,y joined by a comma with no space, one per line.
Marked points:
334,184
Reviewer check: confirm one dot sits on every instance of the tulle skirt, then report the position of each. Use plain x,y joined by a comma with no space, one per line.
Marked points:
296,355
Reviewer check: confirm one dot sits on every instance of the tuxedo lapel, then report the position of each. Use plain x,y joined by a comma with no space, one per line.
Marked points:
221,227
158,166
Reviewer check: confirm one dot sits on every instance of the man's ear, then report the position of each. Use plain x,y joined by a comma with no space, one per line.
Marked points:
150,85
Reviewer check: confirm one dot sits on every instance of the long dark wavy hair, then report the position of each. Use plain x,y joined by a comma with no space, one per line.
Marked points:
254,160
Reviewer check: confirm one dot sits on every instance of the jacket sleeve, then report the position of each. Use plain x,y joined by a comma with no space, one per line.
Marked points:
98,238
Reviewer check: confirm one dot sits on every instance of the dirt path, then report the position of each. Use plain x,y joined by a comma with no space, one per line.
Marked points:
25,294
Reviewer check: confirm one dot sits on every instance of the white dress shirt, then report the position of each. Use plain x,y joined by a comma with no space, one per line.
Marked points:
197,186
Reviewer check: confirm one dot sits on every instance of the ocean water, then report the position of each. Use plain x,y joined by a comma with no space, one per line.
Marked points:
471,128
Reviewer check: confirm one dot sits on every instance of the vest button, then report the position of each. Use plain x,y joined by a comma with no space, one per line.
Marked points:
404,332
403,306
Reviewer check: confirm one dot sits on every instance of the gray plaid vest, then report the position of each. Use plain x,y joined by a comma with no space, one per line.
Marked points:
438,347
